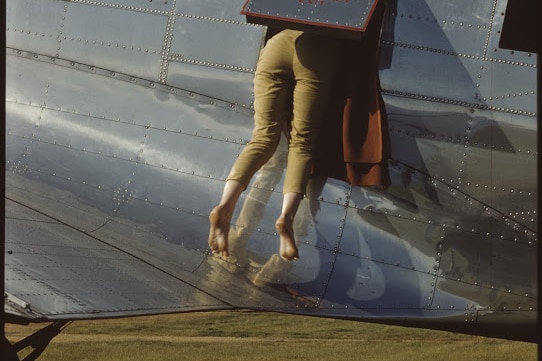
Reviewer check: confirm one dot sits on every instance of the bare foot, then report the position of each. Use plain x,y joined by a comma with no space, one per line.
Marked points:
218,233
288,249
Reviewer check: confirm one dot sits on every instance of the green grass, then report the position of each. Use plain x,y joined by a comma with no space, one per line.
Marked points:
244,335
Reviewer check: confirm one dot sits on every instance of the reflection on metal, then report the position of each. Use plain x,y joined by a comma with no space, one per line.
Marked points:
124,117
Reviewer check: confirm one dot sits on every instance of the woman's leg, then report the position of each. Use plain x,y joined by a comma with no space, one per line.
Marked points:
272,94
220,217
285,225
314,70
272,107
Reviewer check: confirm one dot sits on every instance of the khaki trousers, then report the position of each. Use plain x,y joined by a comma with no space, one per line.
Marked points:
292,82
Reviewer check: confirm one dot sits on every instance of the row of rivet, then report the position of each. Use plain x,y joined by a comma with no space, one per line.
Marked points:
112,44
483,58
21,168
434,99
457,54
210,18
453,189
181,59
87,41
242,108
462,24
488,35
436,274
507,96
411,133
470,316
123,7
448,23
27,32
123,195
166,47
456,102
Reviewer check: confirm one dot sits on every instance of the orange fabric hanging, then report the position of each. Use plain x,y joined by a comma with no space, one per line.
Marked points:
353,144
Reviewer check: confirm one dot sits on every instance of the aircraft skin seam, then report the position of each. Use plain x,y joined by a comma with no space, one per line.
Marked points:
179,58
123,7
170,12
145,126
462,103
482,58
337,247
241,108
122,251
459,190
504,216
166,47
436,271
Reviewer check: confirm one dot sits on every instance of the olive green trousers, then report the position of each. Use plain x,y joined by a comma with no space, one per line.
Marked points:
292,83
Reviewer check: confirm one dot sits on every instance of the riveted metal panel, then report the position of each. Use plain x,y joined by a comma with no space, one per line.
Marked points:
435,72
190,114
26,82
472,307
194,63
29,25
91,92
506,142
174,110
111,138
90,184
327,229
124,41
255,223
28,120
454,148
445,57
23,127
67,272
165,226
174,249
234,87
376,285
383,238
39,191
211,33
188,155
511,88
432,141
128,167
158,185
311,274
442,27
347,15
486,261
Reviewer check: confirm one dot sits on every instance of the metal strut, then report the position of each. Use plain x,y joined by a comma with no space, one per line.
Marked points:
38,341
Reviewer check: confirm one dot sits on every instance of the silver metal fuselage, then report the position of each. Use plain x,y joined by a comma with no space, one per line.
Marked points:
124,117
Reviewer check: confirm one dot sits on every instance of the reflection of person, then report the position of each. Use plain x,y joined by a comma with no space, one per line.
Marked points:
293,81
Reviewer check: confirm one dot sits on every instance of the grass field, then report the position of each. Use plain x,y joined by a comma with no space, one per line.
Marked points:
245,335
